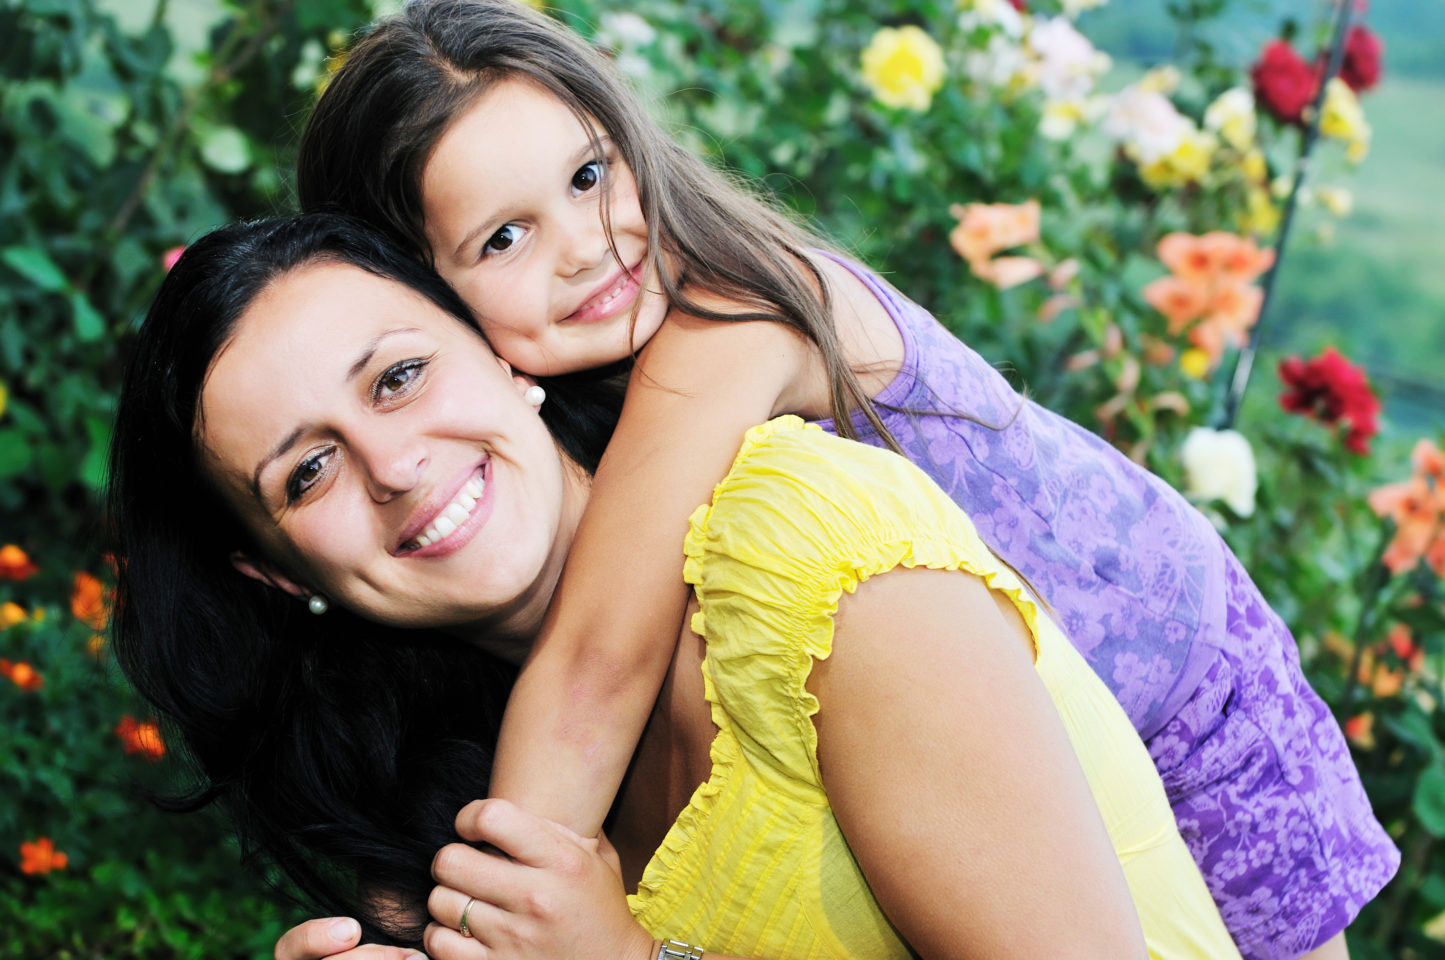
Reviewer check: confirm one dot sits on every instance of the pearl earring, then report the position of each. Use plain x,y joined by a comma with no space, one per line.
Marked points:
317,604
534,395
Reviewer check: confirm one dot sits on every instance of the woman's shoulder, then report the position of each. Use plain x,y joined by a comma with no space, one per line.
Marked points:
803,503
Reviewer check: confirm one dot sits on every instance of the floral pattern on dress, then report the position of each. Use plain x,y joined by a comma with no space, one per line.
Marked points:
1256,769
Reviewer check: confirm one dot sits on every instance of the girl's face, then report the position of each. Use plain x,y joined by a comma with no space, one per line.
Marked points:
512,197
382,455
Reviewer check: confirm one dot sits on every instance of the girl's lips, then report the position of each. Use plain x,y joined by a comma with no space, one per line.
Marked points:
616,298
465,530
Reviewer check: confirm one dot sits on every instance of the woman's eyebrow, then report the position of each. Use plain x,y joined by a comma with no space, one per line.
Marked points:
368,350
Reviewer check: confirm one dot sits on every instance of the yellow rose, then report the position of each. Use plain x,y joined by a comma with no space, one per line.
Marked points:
1343,118
1260,216
1232,116
1254,167
1195,363
903,67
1188,163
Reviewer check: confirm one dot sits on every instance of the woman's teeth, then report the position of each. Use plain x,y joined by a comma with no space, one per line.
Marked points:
454,515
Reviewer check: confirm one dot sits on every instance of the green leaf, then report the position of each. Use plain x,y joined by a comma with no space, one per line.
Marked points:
35,265
89,324
14,453
92,468
226,149
1429,800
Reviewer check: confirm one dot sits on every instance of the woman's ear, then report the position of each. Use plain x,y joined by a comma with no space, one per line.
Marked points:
267,574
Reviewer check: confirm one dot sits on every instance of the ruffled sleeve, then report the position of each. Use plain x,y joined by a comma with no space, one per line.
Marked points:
802,517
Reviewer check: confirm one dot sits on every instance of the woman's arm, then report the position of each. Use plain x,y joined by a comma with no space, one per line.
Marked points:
954,782
583,698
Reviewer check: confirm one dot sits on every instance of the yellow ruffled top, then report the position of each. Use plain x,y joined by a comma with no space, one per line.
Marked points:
756,865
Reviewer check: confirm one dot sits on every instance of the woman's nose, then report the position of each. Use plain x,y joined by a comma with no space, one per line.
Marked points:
392,463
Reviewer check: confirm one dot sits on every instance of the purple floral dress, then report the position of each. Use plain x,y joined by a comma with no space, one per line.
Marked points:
1255,766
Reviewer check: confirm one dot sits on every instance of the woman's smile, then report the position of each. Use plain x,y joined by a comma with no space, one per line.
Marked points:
452,527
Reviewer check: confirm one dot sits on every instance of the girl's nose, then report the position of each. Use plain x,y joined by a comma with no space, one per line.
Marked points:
584,246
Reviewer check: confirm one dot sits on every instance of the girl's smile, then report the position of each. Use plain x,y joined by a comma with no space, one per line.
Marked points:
514,197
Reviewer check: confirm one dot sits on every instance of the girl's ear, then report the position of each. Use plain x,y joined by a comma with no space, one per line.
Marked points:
267,574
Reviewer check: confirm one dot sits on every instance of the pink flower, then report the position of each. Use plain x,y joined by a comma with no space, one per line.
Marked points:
169,258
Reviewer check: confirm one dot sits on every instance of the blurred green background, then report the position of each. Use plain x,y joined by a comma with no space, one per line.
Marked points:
129,127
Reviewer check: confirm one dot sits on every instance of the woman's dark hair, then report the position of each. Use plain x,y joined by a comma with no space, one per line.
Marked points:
342,750
369,138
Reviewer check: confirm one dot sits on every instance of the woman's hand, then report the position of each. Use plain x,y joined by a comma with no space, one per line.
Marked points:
334,938
558,897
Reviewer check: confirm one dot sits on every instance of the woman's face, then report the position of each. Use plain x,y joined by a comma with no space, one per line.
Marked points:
512,196
382,455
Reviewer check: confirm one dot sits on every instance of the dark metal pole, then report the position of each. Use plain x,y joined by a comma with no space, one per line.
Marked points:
1244,360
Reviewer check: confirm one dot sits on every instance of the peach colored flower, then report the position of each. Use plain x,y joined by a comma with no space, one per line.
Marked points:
1006,272
1415,508
1429,460
15,564
40,856
89,602
140,737
1181,301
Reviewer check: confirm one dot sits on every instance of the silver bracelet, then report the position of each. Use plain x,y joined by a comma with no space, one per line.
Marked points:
677,950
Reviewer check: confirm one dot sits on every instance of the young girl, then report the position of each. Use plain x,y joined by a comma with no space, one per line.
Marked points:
495,144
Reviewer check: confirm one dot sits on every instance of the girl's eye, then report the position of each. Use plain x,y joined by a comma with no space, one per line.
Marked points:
502,239
587,176
306,474
397,379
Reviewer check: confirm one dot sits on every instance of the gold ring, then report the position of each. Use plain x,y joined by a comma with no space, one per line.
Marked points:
465,931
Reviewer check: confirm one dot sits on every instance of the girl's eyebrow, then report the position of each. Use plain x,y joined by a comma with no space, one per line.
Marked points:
368,351
604,143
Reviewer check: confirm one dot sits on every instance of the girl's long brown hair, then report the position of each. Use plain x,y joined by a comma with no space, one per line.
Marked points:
368,141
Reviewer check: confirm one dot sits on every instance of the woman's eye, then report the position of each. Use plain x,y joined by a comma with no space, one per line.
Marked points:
587,176
306,474
397,379
502,239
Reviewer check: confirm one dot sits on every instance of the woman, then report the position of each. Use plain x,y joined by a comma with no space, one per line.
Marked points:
809,784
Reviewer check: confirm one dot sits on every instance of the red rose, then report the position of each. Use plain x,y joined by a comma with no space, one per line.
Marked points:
1283,82
1361,66
1332,390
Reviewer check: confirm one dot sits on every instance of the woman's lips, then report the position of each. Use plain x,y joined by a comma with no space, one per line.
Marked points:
456,523
617,297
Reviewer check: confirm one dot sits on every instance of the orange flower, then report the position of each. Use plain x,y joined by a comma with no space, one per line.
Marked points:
11,613
1190,258
23,675
1360,730
15,563
88,601
1429,460
40,856
1180,301
985,229
1415,508
1403,643
143,738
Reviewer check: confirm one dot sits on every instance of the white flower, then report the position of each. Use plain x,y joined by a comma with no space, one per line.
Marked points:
994,14
1219,465
624,30
1146,123
1067,61
1231,115
999,65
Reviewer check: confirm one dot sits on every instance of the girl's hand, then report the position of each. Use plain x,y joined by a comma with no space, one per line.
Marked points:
334,938
558,897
